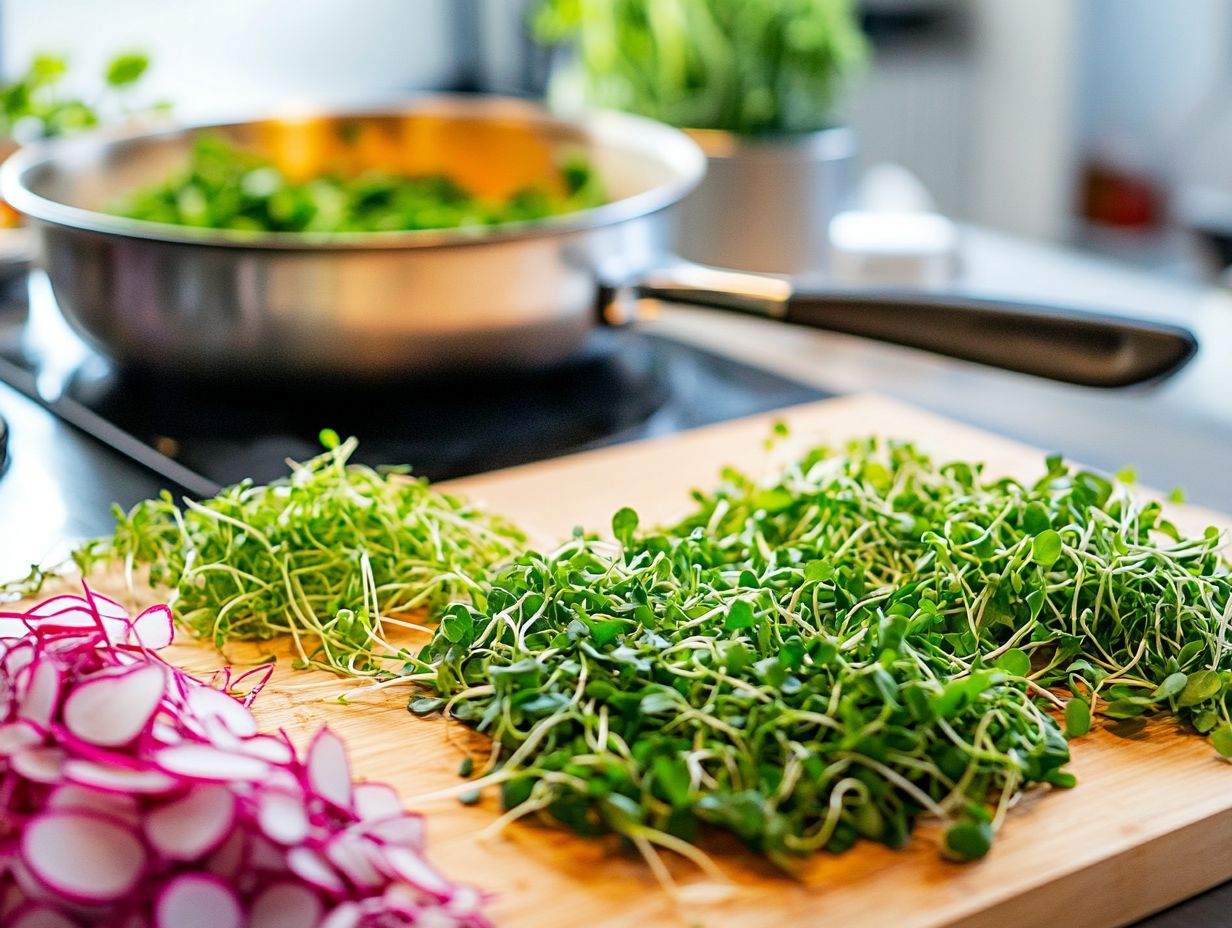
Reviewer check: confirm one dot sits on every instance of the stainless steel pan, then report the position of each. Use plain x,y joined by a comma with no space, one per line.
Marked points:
395,303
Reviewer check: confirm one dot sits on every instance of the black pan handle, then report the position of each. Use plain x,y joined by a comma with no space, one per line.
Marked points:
1068,345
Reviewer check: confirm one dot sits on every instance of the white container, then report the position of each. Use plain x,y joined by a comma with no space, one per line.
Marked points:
766,203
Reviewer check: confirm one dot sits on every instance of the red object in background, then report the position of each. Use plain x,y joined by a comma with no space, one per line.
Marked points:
1115,197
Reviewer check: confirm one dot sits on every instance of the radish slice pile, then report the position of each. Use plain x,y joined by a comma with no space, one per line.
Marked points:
134,794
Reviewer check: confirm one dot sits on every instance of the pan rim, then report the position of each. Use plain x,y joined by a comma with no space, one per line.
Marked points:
679,152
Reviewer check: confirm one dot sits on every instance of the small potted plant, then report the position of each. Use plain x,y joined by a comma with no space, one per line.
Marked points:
755,82
36,106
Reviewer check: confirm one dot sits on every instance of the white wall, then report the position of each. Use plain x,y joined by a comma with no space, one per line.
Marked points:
1025,82
216,57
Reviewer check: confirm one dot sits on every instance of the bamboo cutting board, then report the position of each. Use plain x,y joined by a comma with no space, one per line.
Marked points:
1150,822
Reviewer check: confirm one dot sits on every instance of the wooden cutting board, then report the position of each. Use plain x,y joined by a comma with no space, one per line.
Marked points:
1150,822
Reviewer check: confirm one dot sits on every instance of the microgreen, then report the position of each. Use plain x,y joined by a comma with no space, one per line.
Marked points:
223,186
330,556
872,638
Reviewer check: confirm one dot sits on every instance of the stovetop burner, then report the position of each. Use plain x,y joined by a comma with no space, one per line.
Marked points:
623,385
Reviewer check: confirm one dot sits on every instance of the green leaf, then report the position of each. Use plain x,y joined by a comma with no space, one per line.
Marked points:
624,525
1077,718
1127,475
1172,684
1124,709
968,840
672,775
1046,548
329,439
1035,519
126,69
818,571
1221,740
739,615
458,625
1200,686
425,705
1015,662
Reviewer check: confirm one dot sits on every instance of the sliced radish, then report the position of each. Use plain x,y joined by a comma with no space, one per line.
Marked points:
39,916
198,900
214,707
205,762
402,831
231,858
118,779
83,799
154,629
407,865
40,764
282,816
376,801
17,736
350,857
314,870
286,905
135,796
329,772
85,857
194,826
264,855
42,696
268,748
346,915
113,710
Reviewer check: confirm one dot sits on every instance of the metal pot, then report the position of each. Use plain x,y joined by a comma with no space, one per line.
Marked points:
765,204
220,303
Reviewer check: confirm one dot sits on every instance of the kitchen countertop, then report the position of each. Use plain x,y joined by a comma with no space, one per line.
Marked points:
59,484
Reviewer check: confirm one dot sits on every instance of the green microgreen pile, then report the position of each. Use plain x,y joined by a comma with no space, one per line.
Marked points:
223,186
873,638
331,556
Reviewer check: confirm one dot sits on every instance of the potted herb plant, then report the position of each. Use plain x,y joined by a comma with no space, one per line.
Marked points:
36,106
755,82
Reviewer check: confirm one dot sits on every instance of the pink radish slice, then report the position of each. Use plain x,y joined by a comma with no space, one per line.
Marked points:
83,799
376,801
153,629
265,856
211,706
84,857
409,866
197,900
193,826
346,915
42,696
40,764
17,736
205,762
286,905
111,711
231,858
314,870
118,779
403,831
269,748
282,816
351,858
329,772
39,916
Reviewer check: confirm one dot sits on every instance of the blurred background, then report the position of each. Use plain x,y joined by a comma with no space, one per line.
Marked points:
1100,124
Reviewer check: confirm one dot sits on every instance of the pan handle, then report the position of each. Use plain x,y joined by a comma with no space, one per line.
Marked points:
1059,343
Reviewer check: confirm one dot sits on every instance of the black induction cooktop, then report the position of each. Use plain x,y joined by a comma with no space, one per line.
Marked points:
623,385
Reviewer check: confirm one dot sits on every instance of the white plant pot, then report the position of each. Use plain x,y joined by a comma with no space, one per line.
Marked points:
766,203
